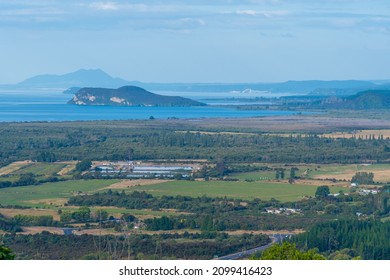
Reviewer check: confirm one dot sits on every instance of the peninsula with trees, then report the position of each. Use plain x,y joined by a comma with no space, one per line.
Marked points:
128,96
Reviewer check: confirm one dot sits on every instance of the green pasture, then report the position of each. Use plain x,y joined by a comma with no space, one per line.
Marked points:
256,175
11,178
243,190
386,219
41,169
30,195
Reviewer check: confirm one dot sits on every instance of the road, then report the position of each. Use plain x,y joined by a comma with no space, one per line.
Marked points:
276,238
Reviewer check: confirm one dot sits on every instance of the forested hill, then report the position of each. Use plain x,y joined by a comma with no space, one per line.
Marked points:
128,96
370,99
364,100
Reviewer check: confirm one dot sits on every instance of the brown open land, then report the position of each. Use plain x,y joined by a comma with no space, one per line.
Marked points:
68,168
316,123
124,184
13,167
381,173
10,212
301,123
49,201
360,133
35,230
267,232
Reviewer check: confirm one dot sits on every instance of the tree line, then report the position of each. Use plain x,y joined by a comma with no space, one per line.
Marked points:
368,239
92,141
136,246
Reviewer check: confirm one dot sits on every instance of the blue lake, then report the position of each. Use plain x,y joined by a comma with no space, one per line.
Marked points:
53,108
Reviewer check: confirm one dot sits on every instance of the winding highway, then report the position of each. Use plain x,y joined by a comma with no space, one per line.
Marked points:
276,238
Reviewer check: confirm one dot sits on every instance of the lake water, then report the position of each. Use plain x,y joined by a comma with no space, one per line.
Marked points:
21,108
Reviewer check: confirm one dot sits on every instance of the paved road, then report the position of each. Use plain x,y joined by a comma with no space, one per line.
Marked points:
276,238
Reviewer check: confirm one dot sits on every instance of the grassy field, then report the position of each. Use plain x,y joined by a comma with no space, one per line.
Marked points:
243,190
43,195
322,171
386,219
256,175
9,177
41,169
13,171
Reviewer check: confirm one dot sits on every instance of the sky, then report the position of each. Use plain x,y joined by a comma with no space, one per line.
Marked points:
225,41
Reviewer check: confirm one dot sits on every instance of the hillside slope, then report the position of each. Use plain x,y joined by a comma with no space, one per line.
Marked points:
370,99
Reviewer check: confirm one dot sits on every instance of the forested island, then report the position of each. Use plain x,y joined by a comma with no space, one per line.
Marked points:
128,96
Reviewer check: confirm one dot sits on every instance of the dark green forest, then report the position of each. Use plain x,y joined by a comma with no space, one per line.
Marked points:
368,239
110,141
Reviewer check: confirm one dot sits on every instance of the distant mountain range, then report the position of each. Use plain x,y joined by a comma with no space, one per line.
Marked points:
98,78
128,96
80,78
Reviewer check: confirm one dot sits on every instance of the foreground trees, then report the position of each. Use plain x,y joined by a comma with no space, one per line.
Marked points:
6,253
288,251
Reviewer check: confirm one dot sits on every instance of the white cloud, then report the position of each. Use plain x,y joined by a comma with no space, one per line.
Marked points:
246,12
345,22
193,21
105,6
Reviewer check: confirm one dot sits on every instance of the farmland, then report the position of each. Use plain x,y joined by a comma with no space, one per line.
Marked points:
318,172
246,178
242,190
41,169
41,194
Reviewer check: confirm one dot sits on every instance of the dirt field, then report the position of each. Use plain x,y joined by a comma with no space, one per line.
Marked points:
360,133
35,230
287,124
49,201
125,184
9,213
70,166
379,175
267,232
13,167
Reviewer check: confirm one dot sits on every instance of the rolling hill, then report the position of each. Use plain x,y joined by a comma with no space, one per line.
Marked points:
370,99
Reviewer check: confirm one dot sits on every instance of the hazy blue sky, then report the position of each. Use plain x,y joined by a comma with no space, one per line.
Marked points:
197,40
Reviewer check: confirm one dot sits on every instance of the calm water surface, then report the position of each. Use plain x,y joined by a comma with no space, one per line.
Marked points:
54,108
